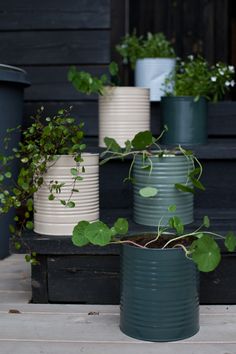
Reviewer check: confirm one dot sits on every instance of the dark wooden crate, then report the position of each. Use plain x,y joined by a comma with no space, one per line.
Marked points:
94,279
90,274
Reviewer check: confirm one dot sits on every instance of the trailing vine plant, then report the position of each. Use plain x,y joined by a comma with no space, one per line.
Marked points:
202,247
144,144
41,145
199,245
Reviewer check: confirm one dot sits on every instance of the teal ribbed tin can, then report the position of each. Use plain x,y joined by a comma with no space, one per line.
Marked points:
166,172
159,294
186,120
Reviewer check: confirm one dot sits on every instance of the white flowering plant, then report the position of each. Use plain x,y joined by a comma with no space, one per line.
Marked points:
195,77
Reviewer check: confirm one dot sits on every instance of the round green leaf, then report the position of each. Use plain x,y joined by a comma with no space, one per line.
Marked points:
230,242
121,226
98,233
29,225
148,192
142,140
112,144
206,253
74,171
70,204
78,236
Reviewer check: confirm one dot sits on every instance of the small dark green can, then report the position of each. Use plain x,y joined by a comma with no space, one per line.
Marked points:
159,294
186,120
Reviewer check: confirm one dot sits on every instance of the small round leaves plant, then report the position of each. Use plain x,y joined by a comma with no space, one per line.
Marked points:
42,143
196,77
133,47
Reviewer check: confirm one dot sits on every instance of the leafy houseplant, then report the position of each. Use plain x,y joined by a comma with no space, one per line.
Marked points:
152,57
187,89
159,282
123,111
43,144
165,177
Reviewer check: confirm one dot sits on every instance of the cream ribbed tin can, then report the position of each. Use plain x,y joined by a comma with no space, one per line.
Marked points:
123,112
53,218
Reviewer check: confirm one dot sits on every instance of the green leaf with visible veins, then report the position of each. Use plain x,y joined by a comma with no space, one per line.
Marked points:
112,144
78,235
98,233
142,140
230,241
205,253
121,226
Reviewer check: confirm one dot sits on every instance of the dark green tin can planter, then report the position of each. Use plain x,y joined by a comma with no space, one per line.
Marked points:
186,120
13,81
166,172
159,294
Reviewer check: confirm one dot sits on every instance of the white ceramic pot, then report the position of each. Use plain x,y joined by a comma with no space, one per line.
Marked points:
123,112
151,73
53,218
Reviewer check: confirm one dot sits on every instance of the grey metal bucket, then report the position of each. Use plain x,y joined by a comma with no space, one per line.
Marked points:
159,294
166,172
12,84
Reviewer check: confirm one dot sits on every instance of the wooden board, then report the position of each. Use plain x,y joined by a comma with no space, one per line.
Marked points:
54,15
55,47
50,83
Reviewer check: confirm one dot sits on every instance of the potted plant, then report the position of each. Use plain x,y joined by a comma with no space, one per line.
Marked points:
57,180
13,81
152,57
184,108
159,274
160,178
123,111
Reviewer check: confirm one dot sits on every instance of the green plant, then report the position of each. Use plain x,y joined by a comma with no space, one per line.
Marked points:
86,83
41,144
199,245
155,45
146,145
195,77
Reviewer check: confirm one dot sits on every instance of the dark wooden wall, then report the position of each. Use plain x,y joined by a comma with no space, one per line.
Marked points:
194,26
46,37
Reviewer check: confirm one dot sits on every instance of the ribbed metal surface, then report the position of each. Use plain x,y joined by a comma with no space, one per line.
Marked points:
166,171
152,73
51,217
186,120
123,112
159,294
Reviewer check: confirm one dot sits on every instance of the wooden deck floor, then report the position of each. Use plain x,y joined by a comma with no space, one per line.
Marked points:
91,329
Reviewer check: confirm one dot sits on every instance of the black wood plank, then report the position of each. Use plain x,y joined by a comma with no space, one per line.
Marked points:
221,120
55,47
55,14
50,83
84,279
222,221
219,287
86,112
196,26
39,281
